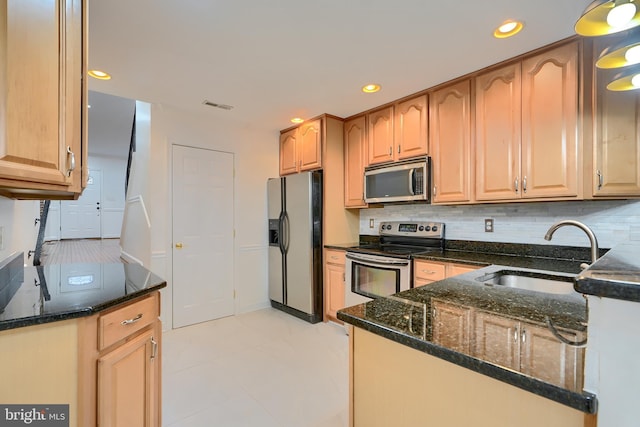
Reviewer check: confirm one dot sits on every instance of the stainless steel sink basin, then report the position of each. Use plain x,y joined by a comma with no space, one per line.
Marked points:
529,281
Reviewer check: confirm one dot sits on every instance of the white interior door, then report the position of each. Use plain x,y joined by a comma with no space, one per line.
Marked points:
203,247
80,219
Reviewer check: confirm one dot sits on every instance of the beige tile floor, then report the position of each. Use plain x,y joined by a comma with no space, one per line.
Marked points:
263,369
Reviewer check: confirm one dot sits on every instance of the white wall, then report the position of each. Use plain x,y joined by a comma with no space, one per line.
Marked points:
19,233
256,159
612,222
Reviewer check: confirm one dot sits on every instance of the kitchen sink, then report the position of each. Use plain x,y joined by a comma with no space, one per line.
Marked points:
529,281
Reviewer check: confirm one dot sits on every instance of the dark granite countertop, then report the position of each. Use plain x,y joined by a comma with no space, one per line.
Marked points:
36,295
615,275
408,318
565,259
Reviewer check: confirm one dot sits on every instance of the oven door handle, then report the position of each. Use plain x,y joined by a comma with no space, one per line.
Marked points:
378,261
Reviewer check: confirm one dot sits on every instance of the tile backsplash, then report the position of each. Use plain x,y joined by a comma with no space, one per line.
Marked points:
613,222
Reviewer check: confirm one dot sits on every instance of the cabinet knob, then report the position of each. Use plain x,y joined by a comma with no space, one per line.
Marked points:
178,245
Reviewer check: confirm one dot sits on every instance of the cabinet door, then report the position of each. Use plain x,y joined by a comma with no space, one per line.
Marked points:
128,383
549,123
334,280
497,112
616,138
455,269
380,135
310,145
411,128
547,358
355,149
450,137
41,94
451,325
497,340
288,158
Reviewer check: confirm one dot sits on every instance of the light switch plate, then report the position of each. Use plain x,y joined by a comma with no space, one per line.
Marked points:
371,222
488,225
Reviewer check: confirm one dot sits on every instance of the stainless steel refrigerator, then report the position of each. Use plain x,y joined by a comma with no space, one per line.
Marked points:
295,244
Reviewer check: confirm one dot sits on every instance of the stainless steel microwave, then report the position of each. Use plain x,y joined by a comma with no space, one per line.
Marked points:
406,181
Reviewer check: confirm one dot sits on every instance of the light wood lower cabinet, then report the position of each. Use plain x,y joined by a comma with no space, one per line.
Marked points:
426,272
120,366
451,325
108,372
529,348
334,281
395,385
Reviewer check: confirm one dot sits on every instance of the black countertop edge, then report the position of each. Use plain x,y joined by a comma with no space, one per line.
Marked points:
584,402
341,246
616,275
74,314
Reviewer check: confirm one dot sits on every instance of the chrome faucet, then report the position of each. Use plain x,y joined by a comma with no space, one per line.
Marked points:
581,226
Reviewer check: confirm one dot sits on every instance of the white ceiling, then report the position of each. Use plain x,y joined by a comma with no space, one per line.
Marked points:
273,60
110,123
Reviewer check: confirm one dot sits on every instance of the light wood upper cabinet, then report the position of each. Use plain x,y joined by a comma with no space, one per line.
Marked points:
310,145
301,148
380,135
450,138
288,154
42,98
411,128
550,123
616,170
355,155
497,112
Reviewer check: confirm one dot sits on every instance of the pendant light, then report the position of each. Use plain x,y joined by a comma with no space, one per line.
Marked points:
629,79
604,17
623,53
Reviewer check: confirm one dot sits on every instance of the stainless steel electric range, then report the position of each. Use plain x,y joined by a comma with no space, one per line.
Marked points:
383,269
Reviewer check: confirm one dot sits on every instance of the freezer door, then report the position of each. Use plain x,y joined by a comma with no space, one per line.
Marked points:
276,260
298,202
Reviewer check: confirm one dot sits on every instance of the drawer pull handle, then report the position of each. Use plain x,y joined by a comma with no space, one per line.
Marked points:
130,321
72,161
334,257
428,272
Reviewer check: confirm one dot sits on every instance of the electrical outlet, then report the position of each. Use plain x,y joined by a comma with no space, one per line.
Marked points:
488,225
371,222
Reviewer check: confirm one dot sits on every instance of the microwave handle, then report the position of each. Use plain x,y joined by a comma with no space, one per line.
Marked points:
412,182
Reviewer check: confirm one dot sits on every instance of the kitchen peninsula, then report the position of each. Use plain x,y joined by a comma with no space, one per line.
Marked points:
83,335
467,343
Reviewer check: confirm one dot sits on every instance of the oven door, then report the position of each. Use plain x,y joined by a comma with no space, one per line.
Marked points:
374,276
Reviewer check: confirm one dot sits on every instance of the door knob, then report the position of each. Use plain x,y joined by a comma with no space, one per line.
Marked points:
178,245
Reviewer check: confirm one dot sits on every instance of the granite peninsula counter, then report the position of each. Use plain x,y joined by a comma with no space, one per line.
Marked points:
533,341
80,336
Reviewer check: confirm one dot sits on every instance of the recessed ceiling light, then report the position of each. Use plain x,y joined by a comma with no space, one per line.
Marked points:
297,120
371,88
100,75
507,29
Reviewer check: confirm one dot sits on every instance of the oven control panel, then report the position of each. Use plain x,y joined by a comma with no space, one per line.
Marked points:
412,228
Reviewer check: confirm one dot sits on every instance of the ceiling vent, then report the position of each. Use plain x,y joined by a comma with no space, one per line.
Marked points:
216,105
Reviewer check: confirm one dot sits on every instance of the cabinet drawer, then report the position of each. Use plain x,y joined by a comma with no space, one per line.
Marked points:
429,270
334,256
122,322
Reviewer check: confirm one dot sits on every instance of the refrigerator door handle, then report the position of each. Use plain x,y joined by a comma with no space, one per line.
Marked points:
286,231
281,233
